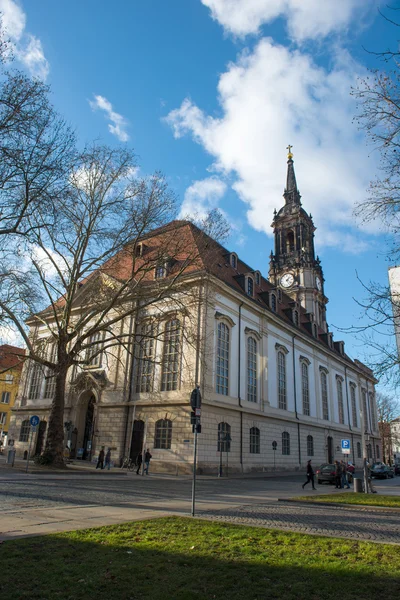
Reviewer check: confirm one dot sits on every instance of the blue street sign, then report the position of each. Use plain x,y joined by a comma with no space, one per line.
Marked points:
346,445
34,421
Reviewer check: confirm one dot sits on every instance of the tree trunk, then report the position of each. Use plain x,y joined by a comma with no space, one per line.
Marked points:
54,450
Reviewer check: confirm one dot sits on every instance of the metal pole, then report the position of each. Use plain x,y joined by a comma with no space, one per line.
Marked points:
29,451
194,471
144,444
364,449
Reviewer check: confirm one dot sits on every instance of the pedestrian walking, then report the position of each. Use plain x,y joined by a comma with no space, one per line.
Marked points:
310,475
139,460
100,460
147,458
345,481
107,461
338,475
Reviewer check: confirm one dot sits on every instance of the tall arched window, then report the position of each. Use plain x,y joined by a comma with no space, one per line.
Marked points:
353,405
286,443
36,381
290,242
324,396
254,440
224,437
145,367
358,450
251,370
365,410
305,388
163,434
372,407
310,445
171,356
24,431
282,403
222,367
50,385
339,388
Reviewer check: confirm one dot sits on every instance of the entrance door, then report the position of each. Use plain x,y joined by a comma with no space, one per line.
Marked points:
330,450
40,438
137,439
89,424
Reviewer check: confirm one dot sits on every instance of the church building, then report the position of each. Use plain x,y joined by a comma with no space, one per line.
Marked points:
276,388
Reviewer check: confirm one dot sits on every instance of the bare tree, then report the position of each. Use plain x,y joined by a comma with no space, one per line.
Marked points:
92,270
388,409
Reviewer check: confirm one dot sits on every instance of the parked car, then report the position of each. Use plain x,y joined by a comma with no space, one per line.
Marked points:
325,473
381,471
397,469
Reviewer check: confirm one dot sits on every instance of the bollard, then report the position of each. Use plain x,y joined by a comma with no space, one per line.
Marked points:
358,485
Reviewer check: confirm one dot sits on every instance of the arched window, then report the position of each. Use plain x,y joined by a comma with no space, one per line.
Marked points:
36,382
339,389
296,317
290,242
372,407
305,388
224,437
222,367
24,431
251,370
282,380
233,261
310,445
358,450
369,451
163,434
377,451
273,302
353,405
286,443
93,352
254,440
257,278
324,396
145,366
250,286
365,410
171,356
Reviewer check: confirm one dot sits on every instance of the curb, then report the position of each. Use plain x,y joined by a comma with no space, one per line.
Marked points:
342,505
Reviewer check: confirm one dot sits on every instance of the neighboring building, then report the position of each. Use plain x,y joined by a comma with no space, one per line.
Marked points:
395,440
267,365
11,362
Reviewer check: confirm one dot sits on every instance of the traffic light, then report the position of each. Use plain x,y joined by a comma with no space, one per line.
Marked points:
195,398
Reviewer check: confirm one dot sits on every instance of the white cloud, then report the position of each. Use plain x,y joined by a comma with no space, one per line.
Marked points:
272,97
118,123
27,48
201,197
306,19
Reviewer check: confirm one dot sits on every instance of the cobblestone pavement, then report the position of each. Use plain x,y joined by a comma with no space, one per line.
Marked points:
354,523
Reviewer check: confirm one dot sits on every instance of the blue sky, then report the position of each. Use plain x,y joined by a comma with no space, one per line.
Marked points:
211,92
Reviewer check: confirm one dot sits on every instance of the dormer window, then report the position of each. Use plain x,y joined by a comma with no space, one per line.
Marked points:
160,272
273,302
315,330
233,260
250,286
258,278
296,317
139,250
280,295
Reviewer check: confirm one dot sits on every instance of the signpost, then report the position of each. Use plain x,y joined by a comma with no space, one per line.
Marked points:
346,447
34,421
195,403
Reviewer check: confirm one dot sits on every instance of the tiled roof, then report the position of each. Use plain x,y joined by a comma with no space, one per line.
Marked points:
11,357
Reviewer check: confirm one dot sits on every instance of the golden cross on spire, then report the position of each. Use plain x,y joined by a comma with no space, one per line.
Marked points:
289,149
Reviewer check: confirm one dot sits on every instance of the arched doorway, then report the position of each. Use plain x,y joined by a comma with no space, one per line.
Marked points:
89,429
137,439
330,450
40,438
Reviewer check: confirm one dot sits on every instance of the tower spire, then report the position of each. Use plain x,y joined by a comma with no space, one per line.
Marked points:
291,193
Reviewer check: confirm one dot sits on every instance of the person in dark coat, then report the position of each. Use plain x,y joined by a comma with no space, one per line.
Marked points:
310,475
338,475
100,460
108,459
147,458
139,460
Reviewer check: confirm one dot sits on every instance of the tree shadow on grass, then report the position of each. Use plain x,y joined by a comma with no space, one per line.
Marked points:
186,559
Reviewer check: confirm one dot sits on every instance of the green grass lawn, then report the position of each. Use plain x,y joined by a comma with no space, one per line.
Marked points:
186,559
365,499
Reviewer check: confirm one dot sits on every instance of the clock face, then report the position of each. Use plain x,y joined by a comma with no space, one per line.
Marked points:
287,280
318,283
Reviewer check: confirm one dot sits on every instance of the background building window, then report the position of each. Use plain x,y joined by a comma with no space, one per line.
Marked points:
222,367
358,450
273,302
145,367
254,440
305,389
372,407
171,355
339,387
251,370
36,382
353,405
365,410
5,397
50,385
160,272
24,431
324,396
93,356
3,418
250,286
9,378
310,445
224,437
282,380
163,434
285,443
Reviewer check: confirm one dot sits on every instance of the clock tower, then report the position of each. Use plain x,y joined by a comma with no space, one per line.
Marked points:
293,266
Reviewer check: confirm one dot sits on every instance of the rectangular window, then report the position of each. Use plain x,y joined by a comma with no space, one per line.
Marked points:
9,378
160,272
93,355
282,381
339,387
365,410
145,368
171,356
372,407
3,418
222,366
251,370
36,381
353,405
324,395
5,397
305,389
254,440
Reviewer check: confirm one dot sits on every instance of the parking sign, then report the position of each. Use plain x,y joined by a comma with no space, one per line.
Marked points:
346,446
